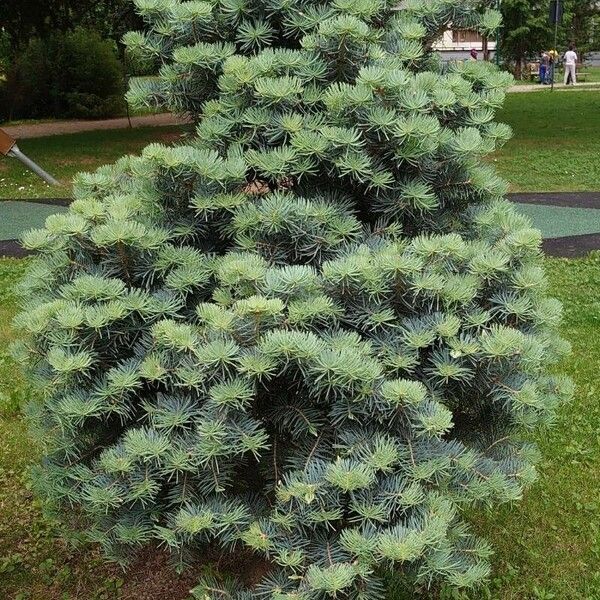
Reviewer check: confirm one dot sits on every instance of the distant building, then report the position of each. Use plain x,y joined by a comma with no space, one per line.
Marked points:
462,40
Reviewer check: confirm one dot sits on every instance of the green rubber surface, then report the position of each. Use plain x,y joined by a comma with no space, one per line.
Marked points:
553,221
561,221
17,217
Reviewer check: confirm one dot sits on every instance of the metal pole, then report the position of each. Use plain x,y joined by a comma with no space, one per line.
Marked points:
497,51
127,78
16,153
556,15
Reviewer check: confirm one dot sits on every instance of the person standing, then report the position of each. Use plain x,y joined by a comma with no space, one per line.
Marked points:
570,66
544,68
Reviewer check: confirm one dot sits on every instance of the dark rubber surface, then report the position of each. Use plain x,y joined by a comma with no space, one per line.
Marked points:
51,201
12,248
573,246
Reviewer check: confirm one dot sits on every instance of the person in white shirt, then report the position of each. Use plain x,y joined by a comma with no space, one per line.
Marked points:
570,66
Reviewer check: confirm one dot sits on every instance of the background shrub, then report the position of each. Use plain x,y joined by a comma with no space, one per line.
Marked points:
74,74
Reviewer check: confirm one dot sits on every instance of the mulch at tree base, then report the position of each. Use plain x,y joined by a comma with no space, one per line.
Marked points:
152,577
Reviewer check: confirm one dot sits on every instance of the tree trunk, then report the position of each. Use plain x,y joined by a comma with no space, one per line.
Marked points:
485,48
518,69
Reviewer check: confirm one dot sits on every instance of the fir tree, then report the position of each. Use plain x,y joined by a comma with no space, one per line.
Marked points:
316,330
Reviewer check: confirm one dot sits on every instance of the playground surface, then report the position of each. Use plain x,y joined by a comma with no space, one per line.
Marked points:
569,221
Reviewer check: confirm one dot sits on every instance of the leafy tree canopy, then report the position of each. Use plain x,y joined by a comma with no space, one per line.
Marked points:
24,19
527,31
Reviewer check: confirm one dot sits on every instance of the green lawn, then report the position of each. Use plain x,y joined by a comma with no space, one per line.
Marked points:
65,155
547,547
34,563
555,147
556,143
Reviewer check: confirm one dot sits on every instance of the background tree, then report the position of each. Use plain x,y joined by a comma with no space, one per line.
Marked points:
584,27
110,18
25,19
526,30
37,72
316,331
75,74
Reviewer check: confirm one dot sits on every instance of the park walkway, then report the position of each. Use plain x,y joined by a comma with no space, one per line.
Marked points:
36,130
536,87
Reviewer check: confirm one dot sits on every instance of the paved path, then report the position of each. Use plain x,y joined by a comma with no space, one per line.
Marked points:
35,130
536,87
548,209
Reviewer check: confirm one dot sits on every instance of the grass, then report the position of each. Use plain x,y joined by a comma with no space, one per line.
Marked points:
593,73
65,155
34,562
556,141
546,546
555,147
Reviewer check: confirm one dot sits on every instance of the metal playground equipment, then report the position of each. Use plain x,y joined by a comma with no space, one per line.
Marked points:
8,147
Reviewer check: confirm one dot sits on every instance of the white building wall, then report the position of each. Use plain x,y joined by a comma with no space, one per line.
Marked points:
447,44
